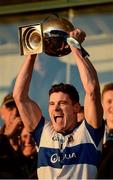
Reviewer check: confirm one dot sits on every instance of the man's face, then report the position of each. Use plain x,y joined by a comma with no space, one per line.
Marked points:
107,102
6,115
28,143
11,121
62,112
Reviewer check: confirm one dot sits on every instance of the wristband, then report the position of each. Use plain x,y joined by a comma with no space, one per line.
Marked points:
73,42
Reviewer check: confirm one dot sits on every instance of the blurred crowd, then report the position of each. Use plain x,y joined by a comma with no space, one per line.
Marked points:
18,152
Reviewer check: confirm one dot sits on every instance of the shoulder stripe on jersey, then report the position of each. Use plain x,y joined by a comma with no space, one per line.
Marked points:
96,133
38,131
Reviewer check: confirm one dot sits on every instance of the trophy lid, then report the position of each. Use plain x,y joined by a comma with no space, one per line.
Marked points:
55,33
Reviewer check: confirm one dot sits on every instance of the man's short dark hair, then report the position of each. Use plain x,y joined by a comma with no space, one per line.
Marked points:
107,87
66,88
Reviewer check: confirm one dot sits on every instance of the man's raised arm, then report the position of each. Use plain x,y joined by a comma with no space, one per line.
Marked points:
29,111
92,103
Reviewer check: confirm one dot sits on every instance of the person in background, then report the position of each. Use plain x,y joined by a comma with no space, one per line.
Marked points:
66,150
17,148
106,165
29,150
10,154
12,121
107,103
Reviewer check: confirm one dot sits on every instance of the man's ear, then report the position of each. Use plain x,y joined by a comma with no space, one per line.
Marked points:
77,107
